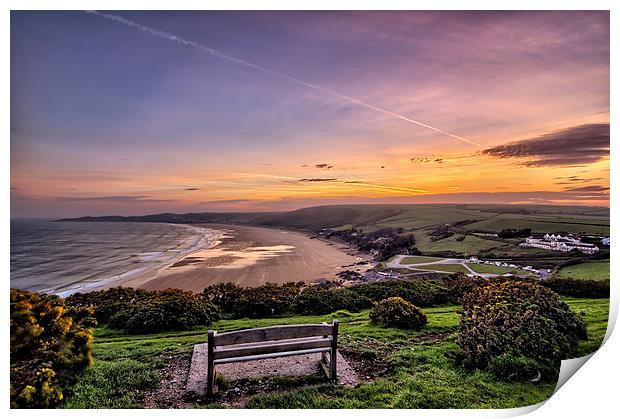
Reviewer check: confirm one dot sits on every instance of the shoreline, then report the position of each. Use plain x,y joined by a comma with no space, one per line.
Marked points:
252,256
208,238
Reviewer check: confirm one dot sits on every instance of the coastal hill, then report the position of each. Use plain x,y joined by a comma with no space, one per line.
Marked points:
463,229
540,218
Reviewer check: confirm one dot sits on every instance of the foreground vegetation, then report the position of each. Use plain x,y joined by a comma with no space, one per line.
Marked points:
413,369
450,342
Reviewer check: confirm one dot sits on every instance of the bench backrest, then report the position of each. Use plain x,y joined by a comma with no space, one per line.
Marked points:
258,343
262,334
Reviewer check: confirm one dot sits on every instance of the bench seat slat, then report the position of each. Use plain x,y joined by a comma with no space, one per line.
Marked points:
271,355
224,352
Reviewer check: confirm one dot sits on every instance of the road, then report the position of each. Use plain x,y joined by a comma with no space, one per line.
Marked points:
396,263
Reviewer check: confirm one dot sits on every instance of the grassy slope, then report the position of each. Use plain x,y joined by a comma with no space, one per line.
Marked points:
421,377
596,270
418,259
492,269
444,267
422,219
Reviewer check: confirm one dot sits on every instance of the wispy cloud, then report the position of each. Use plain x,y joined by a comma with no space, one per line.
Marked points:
323,166
318,180
593,188
221,55
579,145
127,199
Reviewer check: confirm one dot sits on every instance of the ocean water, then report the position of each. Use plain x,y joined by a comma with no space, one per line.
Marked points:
65,257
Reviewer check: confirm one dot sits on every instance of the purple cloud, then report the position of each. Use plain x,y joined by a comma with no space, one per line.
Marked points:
583,144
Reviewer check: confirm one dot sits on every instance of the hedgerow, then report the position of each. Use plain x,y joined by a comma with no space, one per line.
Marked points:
418,292
224,295
142,311
107,302
267,300
578,287
171,309
50,344
513,319
323,300
396,312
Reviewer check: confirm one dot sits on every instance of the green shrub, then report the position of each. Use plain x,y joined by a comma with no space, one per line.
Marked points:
107,302
396,312
225,295
419,292
459,284
517,318
578,288
50,343
267,300
515,367
323,300
171,309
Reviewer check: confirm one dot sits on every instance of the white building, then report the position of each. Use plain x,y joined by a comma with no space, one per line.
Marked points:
560,243
605,241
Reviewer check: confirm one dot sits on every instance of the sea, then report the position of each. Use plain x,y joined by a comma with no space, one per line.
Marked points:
65,257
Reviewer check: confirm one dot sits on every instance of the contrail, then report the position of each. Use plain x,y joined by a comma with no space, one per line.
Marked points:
274,73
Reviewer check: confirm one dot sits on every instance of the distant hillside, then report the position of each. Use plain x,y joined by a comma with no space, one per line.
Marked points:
492,218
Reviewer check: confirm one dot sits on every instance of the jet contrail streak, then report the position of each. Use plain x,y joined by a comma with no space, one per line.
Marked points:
274,73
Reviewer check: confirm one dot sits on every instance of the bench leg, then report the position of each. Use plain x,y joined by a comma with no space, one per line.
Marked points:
333,353
210,365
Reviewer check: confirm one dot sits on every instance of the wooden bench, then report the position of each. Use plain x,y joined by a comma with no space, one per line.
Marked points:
272,342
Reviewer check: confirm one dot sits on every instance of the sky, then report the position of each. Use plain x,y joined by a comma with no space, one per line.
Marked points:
142,112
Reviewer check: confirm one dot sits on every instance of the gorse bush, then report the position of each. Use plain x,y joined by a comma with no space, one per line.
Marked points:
272,299
225,295
512,319
419,292
170,309
267,300
107,302
578,288
323,300
396,312
50,343
459,284
141,311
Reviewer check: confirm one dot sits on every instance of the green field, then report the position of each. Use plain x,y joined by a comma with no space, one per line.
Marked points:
470,246
422,220
419,375
596,270
444,267
492,269
409,260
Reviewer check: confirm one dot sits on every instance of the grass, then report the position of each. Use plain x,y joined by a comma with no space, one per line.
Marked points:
471,245
545,223
444,267
595,270
493,269
418,259
596,315
420,375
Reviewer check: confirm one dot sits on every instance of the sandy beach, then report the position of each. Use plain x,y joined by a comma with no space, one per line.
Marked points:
251,256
